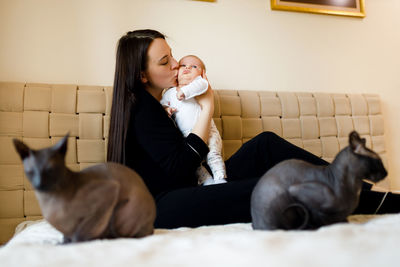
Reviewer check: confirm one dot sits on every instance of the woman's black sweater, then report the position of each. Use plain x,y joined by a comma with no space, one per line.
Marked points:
157,150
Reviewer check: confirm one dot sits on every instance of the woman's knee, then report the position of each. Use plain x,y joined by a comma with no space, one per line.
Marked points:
267,136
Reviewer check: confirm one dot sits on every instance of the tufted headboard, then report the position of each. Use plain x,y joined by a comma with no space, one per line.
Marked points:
40,114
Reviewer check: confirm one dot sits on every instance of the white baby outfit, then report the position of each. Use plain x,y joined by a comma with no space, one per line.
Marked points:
188,110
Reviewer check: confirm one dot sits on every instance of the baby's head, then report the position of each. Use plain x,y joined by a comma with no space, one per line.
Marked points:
189,68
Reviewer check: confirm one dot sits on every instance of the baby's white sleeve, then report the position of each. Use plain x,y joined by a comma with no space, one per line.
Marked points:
166,98
197,87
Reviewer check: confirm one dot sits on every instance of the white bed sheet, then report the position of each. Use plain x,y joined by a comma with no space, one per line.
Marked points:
366,241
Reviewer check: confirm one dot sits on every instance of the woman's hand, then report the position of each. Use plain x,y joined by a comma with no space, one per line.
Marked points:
206,100
170,111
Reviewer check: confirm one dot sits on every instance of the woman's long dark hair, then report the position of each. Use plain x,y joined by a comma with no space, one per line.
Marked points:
131,61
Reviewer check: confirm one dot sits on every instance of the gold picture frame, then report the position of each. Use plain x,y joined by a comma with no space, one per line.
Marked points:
353,8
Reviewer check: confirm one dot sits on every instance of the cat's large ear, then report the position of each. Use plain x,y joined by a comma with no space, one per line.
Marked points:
61,146
22,149
357,145
355,141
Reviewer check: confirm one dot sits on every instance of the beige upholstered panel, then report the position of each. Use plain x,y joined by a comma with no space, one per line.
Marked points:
10,124
11,177
27,184
252,127
37,98
318,122
271,112
33,218
291,128
313,146
296,141
218,123
358,105
309,127
325,107
250,104
327,126
61,123
232,127
41,114
37,143
7,227
290,106
106,125
63,99
217,105
92,100
90,151
108,90
368,141
35,124
8,155
307,105
330,146
376,124
11,204
230,147
230,105
31,205
90,126
70,157
378,143
309,123
12,96
361,124
342,105
272,124
373,103
270,106
344,125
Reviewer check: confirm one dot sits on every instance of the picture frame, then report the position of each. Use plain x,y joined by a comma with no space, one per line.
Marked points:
353,8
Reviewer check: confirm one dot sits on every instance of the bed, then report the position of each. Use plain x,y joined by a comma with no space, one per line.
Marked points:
365,241
40,114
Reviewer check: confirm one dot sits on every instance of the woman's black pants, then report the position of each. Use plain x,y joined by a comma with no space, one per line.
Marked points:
230,202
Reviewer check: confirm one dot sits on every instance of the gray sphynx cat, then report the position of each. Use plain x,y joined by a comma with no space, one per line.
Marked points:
295,194
103,201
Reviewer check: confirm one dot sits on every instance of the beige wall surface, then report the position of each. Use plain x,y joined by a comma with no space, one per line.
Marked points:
244,44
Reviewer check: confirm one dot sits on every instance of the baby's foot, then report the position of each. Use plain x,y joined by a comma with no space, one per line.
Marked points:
209,181
220,181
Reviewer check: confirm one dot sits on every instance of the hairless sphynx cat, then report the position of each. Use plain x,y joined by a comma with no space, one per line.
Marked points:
107,200
295,194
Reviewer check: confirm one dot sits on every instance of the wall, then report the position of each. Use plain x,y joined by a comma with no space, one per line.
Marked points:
244,44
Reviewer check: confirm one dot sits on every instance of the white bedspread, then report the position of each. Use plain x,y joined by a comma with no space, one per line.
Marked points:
366,241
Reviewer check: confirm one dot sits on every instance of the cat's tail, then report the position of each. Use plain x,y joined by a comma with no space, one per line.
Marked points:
295,217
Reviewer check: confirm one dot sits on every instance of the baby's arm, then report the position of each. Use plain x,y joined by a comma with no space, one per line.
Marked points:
165,102
197,87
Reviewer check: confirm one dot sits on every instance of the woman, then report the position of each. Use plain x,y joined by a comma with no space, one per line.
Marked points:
143,137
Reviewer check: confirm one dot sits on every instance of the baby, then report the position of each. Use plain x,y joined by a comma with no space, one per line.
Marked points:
181,100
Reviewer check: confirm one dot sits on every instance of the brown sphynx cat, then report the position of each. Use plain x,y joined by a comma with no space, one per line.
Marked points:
103,201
